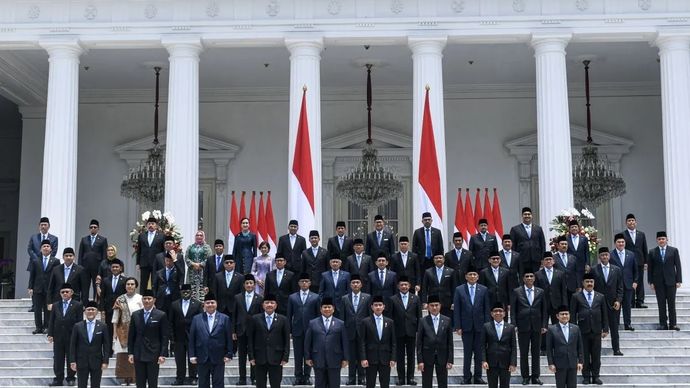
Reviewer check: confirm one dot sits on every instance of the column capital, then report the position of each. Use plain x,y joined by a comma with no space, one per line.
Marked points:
62,47
546,43
427,45
29,112
304,46
673,41
183,46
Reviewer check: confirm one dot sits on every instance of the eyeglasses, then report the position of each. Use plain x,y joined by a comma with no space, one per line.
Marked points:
65,291
529,276
93,227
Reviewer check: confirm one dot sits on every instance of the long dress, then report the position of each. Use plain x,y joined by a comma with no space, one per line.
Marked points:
261,267
197,254
244,251
121,318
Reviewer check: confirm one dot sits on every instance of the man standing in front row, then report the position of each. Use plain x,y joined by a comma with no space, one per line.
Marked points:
325,346
435,345
148,341
564,350
90,346
590,311
377,345
500,349
303,306
210,343
64,315
182,312
269,343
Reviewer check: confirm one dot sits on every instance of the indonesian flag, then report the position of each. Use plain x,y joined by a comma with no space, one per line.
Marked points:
470,225
234,224
271,226
243,210
487,212
460,220
429,189
477,209
261,227
498,219
253,224
301,190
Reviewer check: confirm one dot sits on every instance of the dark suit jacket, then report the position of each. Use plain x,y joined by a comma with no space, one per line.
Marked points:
515,268
314,265
468,316
498,290
34,247
334,250
481,249
173,284
160,263
499,354
180,324
431,345
525,316
89,354
99,247
60,326
39,278
531,248
293,255
146,254
78,279
406,320
629,268
664,273
387,289
210,270
613,289
411,269
225,294
562,354
268,346
326,349
366,266
243,317
581,253
444,290
108,296
639,246
353,319
555,292
595,319
336,291
419,242
288,285
210,347
148,340
299,314
573,280
377,351
387,246
459,265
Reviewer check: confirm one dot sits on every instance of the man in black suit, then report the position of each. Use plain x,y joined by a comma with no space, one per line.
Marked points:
291,246
406,263
112,287
589,311
36,241
90,347
495,278
97,244
500,349
247,304
564,350
482,244
511,261
636,241
210,344
625,260
65,314
303,306
325,346
355,307
406,311
427,242
340,245
608,280
377,345
567,263
335,283
182,311
169,248
380,240
441,281
528,312
458,258
269,343
39,274
166,285
314,260
68,272
665,276
552,281
578,246
382,281
528,241
281,283
226,285
147,343
359,262
214,264
435,349
149,244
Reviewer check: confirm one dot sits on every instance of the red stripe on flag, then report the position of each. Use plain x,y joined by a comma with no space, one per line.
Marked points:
470,225
262,236
301,165
429,175
270,221
498,219
459,214
243,208
487,212
253,224
477,208
234,223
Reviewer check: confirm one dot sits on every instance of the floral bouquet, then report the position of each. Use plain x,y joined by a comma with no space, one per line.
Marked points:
166,223
584,217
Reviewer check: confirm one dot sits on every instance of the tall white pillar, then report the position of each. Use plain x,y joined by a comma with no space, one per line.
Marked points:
59,188
674,51
305,70
182,137
427,70
553,127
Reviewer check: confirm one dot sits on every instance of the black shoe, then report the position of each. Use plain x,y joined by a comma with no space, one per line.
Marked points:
31,310
351,382
537,381
411,382
629,328
676,328
466,382
663,328
55,383
45,331
525,381
241,382
71,382
586,380
37,331
362,382
617,353
597,381
542,352
641,306
194,381
399,382
253,380
178,382
479,381
308,381
297,382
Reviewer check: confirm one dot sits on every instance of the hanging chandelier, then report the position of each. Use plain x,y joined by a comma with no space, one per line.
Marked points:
146,182
369,184
594,180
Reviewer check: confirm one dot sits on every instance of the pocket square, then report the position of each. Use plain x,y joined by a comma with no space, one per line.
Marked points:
153,321
100,332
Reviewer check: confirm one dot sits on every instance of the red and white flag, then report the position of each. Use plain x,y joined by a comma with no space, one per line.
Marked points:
271,226
253,222
478,213
498,219
233,224
301,195
261,227
487,212
470,225
429,189
243,209
460,220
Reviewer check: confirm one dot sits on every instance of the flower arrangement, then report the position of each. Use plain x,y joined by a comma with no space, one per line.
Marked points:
584,217
166,224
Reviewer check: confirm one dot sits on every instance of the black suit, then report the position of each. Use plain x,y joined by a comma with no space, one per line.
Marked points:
314,265
458,264
406,321
514,268
166,287
269,347
89,355
147,341
411,268
664,273
498,289
378,352
38,282
581,253
555,291
353,321
444,289
572,280
292,254
334,249
60,327
287,286
211,269
242,318
629,269
386,289
179,335
146,255
160,264
564,354
366,265
225,294
500,354
613,291
92,262
299,315
387,246
530,319
481,247
108,297
639,248
419,246
78,279
531,246
592,321
435,350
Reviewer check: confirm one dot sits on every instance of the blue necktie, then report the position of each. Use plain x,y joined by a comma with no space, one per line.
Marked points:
64,307
472,294
428,242
269,319
663,255
379,327
67,269
90,331
146,316
45,263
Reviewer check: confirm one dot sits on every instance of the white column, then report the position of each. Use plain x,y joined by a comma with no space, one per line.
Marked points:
427,70
553,127
182,137
59,188
305,70
674,51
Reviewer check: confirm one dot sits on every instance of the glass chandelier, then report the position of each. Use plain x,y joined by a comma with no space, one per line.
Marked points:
146,182
594,181
369,184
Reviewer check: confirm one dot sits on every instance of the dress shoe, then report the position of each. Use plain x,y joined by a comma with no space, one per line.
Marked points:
362,382
663,328
537,381
399,382
45,331
351,382
597,381
525,381
617,353
178,382
253,380
194,381
241,382
586,380
542,352
676,328
411,382
297,382
629,328
466,382
31,310
641,306
308,381
479,381
37,331
55,383
71,382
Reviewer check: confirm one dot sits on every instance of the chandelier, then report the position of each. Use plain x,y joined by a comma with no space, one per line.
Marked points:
369,184
594,181
146,182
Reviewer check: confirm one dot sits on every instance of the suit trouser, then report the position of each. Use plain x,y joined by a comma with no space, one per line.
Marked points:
327,377
384,372
405,345
92,273
60,350
109,323
591,346
210,373
666,295
146,372
242,358
145,273
530,344
354,367
302,370
614,323
498,375
181,360
441,374
639,292
83,377
628,296
40,310
566,378
471,344
274,373
551,311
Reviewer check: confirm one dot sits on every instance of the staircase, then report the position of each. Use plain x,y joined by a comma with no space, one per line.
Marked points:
652,358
